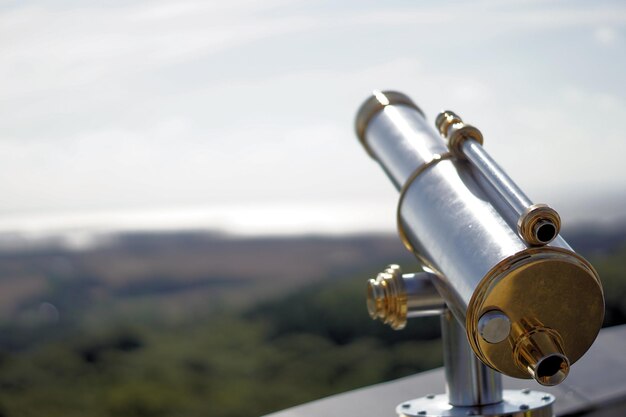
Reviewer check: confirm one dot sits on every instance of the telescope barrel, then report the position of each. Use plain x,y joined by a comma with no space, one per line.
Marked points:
453,220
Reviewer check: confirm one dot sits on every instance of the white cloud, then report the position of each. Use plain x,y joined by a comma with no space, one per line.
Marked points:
97,111
605,35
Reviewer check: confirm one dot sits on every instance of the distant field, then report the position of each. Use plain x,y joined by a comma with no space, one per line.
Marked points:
175,272
194,324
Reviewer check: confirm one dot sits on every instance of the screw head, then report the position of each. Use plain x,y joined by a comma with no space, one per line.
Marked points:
525,391
406,405
524,407
430,396
494,326
422,413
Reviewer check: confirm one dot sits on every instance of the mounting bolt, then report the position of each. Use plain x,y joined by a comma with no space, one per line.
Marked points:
494,326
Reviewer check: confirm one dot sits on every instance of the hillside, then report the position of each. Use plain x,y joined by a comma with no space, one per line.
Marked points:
206,325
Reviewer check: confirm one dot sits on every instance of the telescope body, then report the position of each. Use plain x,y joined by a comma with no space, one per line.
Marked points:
462,229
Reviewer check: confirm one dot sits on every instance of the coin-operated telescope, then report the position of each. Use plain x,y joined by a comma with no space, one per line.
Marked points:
514,298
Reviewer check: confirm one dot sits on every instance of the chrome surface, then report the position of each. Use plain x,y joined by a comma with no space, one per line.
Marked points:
464,233
401,140
460,231
423,299
465,141
409,182
450,222
494,326
519,203
452,218
525,403
468,381
371,107
496,176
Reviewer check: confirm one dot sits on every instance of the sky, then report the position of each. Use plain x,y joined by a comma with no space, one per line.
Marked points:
238,115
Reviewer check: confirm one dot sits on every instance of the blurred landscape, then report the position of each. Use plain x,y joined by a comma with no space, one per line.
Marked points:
238,116
205,324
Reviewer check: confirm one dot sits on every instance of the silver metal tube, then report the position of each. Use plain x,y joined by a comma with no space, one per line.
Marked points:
505,186
400,134
468,381
422,298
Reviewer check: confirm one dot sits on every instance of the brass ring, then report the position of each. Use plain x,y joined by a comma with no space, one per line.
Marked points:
403,237
532,217
373,105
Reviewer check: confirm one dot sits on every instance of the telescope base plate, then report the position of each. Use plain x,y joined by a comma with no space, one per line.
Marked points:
515,403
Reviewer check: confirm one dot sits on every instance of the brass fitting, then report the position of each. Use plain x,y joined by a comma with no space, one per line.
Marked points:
375,104
539,224
393,297
538,350
452,128
386,298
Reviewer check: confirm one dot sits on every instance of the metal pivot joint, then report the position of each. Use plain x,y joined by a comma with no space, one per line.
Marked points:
472,388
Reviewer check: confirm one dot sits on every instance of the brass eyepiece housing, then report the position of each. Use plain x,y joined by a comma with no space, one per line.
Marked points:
539,351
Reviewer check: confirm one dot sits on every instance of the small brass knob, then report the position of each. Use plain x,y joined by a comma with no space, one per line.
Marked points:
393,297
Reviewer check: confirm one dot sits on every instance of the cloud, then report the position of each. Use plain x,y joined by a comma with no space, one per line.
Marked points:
149,104
605,35
46,49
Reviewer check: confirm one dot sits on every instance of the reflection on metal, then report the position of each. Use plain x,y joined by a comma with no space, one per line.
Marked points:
515,403
371,107
519,300
468,381
420,169
393,297
494,326
540,351
452,128
537,224
453,225
540,289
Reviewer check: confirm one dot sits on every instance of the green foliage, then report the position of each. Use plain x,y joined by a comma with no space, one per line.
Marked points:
309,344
612,272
